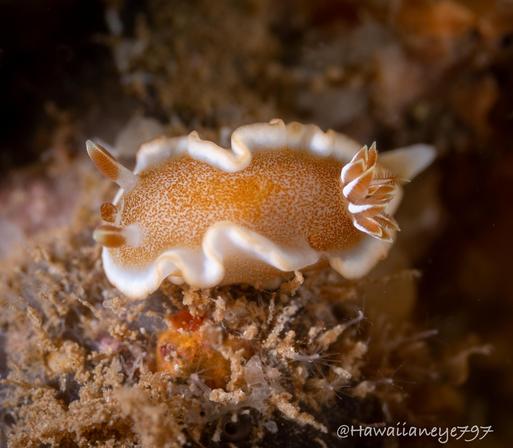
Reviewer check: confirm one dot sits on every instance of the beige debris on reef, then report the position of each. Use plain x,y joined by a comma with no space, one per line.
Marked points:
284,355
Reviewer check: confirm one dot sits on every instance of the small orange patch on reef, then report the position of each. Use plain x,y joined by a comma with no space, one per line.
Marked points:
184,348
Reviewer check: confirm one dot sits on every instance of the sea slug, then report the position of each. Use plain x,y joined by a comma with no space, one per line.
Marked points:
284,198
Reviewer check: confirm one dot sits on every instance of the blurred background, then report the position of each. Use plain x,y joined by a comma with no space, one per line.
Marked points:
396,72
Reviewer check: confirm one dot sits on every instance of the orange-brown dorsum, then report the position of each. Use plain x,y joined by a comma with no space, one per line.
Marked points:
284,197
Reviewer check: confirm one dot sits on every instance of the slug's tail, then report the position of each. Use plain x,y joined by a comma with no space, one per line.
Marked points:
369,189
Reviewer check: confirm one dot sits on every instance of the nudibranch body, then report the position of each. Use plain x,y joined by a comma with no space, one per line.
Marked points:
284,198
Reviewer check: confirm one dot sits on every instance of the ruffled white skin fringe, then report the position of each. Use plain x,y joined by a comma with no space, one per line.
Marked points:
204,267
